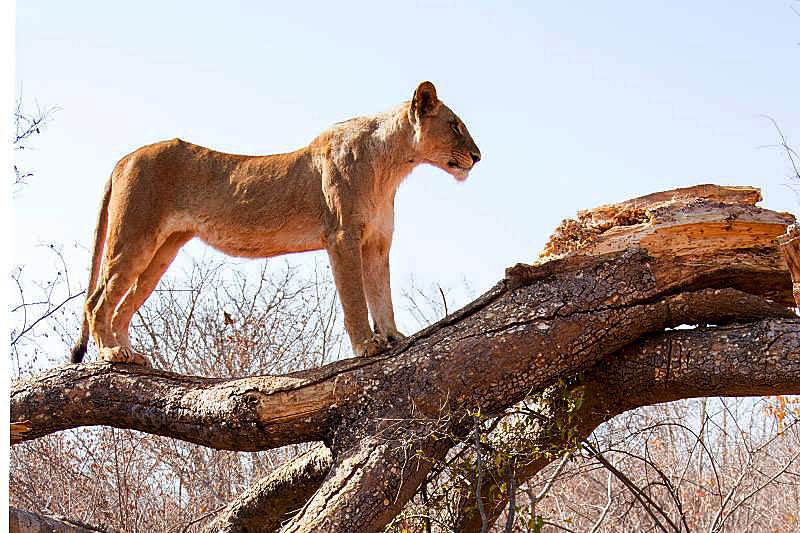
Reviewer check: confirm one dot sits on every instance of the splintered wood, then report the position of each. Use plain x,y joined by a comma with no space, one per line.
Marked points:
707,225
681,221
790,244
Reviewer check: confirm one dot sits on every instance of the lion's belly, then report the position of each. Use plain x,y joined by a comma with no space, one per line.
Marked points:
255,240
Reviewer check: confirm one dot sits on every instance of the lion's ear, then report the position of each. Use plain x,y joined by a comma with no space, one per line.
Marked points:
425,101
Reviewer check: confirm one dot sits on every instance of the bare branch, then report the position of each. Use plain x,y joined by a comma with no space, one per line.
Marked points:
27,125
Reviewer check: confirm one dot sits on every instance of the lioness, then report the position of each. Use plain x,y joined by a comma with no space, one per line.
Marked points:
337,193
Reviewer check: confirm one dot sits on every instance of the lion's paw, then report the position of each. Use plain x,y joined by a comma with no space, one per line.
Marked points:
372,346
395,337
124,354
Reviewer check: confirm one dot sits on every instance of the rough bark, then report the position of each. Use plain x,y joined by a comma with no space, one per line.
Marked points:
699,255
246,414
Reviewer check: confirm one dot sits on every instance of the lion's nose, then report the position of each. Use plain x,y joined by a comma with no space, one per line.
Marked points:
475,157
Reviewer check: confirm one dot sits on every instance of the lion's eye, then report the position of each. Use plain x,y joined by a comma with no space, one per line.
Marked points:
457,127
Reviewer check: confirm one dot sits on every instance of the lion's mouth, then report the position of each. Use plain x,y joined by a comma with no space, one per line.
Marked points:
453,168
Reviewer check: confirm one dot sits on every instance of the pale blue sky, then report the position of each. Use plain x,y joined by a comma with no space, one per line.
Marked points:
573,104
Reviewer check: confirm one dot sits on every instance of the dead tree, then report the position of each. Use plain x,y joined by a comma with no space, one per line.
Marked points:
599,303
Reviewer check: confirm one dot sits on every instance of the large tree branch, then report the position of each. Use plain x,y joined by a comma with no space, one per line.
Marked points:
246,414
699,255
265,412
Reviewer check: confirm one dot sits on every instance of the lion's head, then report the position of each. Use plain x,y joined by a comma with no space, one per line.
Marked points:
442,138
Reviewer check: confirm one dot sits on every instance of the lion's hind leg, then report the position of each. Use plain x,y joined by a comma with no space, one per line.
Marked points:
143,287
122,266
124,354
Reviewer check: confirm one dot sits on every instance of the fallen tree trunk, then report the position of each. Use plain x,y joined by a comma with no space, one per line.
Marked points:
703,255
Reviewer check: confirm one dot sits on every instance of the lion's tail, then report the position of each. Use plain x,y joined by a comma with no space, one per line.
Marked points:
79,350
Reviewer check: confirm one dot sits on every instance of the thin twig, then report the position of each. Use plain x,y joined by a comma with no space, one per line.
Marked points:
636,491
552,478
511,497
479,465
444,300
603,515
47,314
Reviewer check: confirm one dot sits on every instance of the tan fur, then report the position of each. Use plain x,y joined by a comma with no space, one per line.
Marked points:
337,193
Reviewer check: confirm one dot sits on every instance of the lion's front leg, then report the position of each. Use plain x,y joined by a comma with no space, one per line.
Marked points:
377,286
344,251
